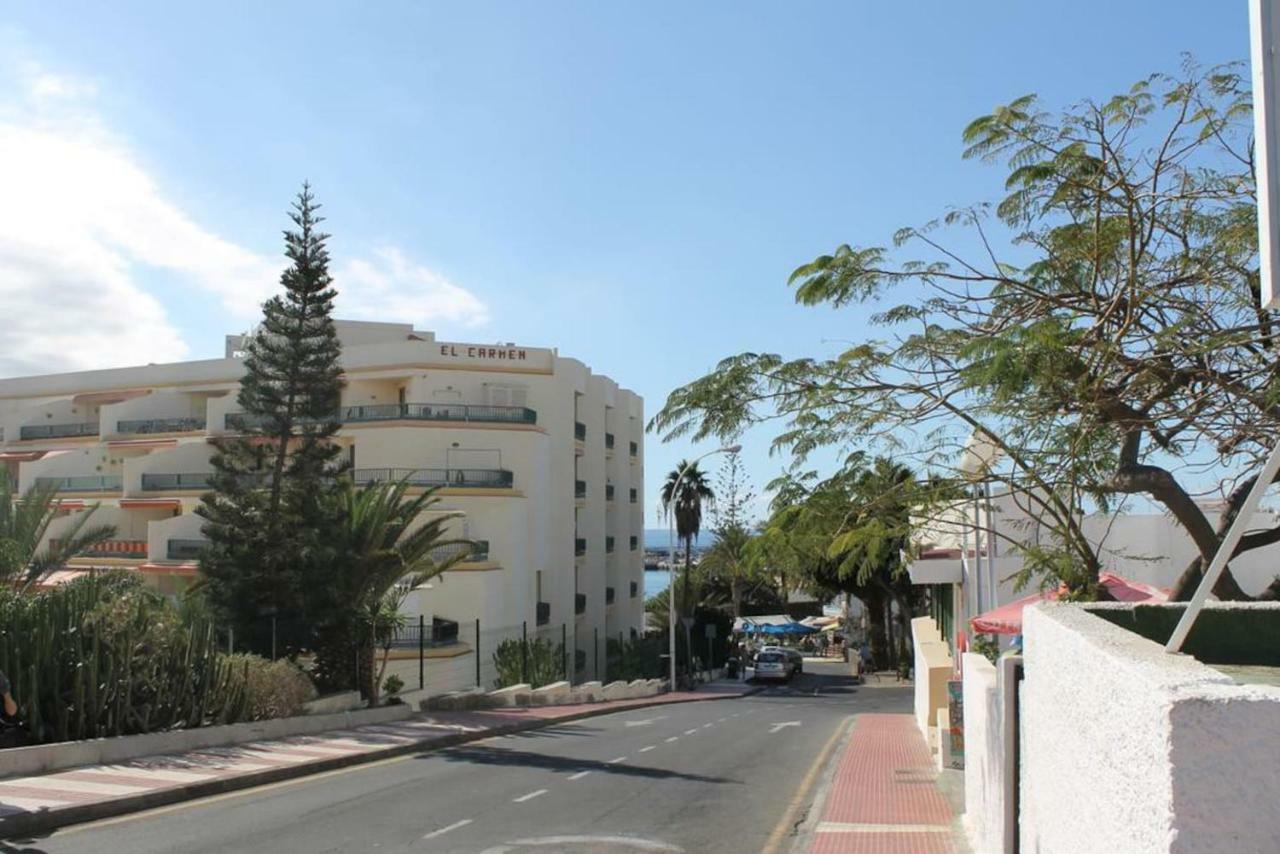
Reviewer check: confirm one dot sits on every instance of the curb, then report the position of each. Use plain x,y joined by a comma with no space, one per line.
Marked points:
45,821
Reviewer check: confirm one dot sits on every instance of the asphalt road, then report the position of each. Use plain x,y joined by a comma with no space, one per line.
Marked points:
718,776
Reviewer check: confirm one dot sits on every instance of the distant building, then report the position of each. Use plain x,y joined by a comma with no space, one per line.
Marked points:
544,459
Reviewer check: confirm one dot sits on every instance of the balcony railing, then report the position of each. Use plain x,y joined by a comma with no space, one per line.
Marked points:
579,603
579,489
608,596
608,544
633,543
84,483
580,546
160,425
131,549
580,431
635,449
544,613
493,478
634,495
439,632
608,492
453,412
57,431
185,480
608,441
635,589
185,549
476,552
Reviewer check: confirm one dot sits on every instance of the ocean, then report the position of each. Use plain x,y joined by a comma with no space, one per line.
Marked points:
658,539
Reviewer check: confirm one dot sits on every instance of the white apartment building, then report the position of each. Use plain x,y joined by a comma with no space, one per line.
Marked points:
543,459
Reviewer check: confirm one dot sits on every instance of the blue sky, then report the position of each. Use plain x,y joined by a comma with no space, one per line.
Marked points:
549,173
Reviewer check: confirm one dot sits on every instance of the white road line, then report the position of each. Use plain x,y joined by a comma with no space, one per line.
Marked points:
442,831
579,775
616,761
690,731
720,721
704,726
673,738
647,749
535,793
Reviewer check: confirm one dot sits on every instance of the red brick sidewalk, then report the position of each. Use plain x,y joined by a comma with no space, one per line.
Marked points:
47,801
884,797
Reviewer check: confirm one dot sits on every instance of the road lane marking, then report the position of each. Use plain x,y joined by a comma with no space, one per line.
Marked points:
673,738
646,721
534,794
616,761
594,842
704,726
782,725
579,775
690,731
721,720
647,749
789,818
442,831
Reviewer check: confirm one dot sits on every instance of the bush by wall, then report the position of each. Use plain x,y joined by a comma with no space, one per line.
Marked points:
274,689
544,662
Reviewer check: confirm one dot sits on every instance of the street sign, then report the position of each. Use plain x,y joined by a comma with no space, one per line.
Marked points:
687,622
1264,39
710,631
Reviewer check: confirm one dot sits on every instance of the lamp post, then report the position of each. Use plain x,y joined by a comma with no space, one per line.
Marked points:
671,530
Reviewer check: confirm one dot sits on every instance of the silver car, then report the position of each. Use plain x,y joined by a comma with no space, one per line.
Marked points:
775,665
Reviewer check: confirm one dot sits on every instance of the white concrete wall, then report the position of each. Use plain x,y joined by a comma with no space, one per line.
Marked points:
983,755
1128,749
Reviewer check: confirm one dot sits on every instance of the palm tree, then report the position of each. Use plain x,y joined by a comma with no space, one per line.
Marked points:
728,558
388,546
686,505
24,521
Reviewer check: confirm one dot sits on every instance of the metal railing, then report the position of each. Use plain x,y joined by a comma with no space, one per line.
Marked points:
635,495
608,441
438,412
608,544
185,549
579,546
57,431
495,478
184,480
635,589
440,632
633,543
84,483
608,492
579,489
160,425
477,551
579,603
544,613
580,431
635,449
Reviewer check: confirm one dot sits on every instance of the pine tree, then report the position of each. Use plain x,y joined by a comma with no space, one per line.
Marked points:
274,499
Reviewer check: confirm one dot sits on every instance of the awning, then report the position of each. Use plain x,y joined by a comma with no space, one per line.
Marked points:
184,569
1007,618
143,503
102,397
141,444
21,456
62,576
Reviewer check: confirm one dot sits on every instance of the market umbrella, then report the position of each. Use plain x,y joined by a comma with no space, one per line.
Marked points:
1007,618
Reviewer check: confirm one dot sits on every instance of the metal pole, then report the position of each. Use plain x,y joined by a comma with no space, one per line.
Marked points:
595,644
564,649
1225,551
524,652
422,652
478,683
273,637
231,640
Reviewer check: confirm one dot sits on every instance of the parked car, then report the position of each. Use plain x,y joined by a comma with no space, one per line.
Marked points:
775,665
796,657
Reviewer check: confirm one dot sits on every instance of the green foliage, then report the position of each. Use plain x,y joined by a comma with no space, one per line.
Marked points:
273,689
639,658
544,661
985,645
24,521
393,686
102,656
273,498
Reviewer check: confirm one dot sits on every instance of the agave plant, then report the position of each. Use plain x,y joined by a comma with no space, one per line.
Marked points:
24,521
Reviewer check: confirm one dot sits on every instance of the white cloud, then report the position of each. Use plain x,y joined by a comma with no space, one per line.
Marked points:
389,286
82,222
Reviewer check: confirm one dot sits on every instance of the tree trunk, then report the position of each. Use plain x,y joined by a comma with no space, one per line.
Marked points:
873,606
735,588
891,647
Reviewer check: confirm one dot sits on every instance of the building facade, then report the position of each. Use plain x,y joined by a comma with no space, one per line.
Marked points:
542,460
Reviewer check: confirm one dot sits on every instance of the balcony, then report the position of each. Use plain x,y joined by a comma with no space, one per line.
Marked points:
454,412
57,431
580,546
633,543
608,492
635,589
477,552
579,603
608,596
608,441
634,450
185,549
441,632
634,495
126,549
580,431
544,613
186,480
608,545
161,425
84,483
457,478
579,489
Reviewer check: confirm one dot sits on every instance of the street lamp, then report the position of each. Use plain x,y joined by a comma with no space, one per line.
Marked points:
671,529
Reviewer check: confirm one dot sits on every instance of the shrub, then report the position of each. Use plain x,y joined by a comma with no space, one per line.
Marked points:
545,662
392,686
273,689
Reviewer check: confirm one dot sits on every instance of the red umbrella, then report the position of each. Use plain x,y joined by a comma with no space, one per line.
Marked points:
1007,618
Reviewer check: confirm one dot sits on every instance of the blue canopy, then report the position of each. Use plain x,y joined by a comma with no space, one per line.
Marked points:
784,629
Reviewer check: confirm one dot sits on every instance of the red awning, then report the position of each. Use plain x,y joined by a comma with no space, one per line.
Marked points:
1007,618
143,503
21,456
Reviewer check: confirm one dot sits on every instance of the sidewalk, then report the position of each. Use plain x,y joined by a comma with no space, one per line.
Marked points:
42,803
884,796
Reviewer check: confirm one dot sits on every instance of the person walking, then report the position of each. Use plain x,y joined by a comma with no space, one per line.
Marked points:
10,705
